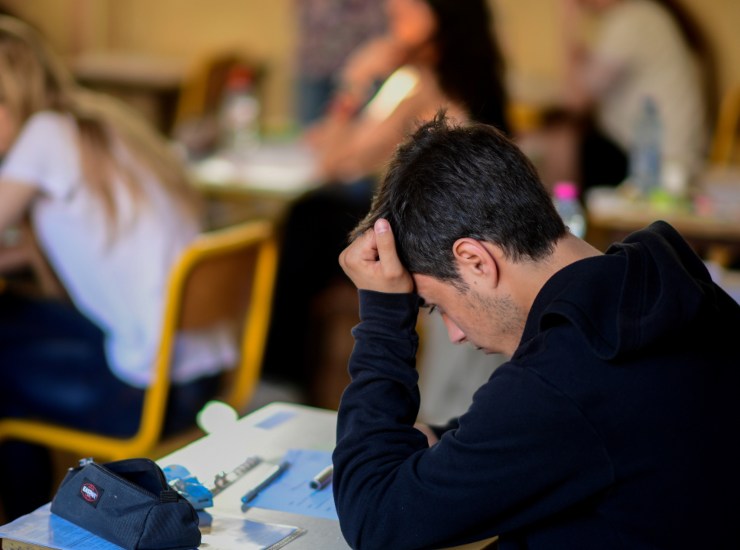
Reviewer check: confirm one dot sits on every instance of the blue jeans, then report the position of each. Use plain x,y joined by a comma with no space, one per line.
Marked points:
53,367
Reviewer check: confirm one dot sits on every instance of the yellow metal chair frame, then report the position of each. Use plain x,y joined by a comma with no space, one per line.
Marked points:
724,142
226,274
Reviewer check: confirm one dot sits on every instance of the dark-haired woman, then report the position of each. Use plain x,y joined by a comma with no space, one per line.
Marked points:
436,54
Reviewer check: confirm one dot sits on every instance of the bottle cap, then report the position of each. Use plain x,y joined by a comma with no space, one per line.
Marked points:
238,77
565,190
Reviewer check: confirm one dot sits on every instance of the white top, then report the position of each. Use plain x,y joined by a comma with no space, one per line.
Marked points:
116,276
640,40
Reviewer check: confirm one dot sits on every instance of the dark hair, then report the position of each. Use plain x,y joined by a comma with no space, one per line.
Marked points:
470,67
448,182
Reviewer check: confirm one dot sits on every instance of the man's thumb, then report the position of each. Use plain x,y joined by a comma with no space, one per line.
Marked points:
385,243
382,226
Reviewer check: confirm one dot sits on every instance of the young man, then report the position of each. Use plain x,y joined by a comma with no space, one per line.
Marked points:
614,425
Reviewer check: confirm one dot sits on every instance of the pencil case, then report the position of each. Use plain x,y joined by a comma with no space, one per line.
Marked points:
129,503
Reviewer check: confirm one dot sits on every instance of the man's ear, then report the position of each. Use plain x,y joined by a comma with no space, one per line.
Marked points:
476,261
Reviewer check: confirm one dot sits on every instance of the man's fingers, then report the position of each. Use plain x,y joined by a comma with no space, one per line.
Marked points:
362,250
372,263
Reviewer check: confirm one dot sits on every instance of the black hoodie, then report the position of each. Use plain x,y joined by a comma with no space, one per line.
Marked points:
614,425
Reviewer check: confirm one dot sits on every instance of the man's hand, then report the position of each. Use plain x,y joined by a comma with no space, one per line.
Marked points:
432,438
374,60
372,263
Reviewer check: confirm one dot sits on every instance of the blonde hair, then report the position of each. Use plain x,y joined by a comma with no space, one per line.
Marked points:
33,79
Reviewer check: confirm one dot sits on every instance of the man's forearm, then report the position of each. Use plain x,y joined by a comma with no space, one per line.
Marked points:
375,431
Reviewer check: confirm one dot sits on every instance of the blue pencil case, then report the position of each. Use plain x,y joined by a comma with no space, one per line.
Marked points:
129,503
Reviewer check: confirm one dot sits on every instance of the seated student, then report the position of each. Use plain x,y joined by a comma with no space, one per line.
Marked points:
642,49
439,53
614,423
111,209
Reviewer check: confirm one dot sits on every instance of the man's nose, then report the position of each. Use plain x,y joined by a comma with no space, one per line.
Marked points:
456,335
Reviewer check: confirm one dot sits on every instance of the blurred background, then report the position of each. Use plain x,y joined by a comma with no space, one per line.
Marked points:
146,48
170,59
153,54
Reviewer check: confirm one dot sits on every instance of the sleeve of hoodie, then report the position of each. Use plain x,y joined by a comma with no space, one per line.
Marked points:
520,453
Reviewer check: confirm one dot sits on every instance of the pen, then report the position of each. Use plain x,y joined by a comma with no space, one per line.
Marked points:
322,479
277,470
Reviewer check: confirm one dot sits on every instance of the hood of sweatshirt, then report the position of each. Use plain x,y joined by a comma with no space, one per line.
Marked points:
648,286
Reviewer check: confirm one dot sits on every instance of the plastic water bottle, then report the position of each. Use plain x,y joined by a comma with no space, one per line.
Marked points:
565,198
646,153
239,114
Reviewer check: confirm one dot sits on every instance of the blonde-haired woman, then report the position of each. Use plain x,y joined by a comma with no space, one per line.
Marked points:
111,210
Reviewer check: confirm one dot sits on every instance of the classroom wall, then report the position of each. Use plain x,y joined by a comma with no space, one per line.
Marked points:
185,30
190,29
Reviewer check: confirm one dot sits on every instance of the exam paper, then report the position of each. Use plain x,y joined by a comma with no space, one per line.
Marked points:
246,534
291,492
43,528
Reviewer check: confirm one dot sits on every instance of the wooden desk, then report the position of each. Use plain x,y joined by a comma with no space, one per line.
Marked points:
611,217
262,184
268,433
